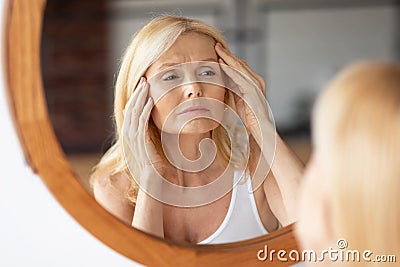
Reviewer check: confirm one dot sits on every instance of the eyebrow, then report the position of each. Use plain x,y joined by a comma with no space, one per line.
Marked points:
169,64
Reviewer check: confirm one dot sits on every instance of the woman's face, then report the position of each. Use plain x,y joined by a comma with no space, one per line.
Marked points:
188,47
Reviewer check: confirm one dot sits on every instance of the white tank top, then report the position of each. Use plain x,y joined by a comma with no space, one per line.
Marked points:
242,220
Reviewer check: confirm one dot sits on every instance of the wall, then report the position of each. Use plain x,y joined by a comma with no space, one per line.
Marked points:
35,230
76,78
297,46
306,47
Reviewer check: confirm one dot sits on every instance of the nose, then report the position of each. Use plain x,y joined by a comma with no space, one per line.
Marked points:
193,90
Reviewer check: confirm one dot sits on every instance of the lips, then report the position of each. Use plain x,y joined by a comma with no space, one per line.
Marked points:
194,110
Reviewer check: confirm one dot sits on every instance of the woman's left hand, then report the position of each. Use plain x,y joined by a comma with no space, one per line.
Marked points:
286,168
246,87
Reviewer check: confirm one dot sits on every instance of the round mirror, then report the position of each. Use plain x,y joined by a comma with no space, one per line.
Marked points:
82,46
66,167
46,157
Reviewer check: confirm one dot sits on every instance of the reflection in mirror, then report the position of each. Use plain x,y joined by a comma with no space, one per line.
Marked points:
295,49
181,98
76,80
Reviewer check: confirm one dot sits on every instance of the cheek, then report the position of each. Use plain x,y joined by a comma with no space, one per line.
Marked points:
216,92
311,227
156,116
305,224
162,109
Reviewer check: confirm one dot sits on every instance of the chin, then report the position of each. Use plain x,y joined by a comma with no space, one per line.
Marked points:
196,126
199,126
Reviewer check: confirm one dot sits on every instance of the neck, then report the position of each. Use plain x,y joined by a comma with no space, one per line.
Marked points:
185,147
191,166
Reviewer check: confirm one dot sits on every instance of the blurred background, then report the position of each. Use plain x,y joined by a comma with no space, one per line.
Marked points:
296,45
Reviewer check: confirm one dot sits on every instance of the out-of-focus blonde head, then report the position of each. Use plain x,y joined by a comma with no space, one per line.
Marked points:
357,140
146,47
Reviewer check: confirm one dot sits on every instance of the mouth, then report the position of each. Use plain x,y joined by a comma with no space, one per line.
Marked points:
195,110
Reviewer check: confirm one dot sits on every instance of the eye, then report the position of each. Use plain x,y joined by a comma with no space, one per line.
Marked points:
207,73
169,77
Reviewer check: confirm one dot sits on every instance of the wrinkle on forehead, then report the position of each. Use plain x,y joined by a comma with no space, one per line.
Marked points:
188,47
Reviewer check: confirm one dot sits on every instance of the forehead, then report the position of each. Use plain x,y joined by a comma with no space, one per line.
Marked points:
188,47
190,44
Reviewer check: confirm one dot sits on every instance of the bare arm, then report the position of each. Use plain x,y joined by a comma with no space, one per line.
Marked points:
287,170
149,211
111,193
281,186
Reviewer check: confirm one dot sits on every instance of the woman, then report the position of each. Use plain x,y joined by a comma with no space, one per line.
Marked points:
169,41
352,187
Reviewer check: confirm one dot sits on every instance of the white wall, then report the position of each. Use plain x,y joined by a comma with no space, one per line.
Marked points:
34,229
297,51
306,47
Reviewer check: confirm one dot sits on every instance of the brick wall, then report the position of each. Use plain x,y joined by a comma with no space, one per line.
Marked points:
75,73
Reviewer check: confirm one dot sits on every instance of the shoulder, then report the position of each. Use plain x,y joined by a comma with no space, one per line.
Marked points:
118,182
111,191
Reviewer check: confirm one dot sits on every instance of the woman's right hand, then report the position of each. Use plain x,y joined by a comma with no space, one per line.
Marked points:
136,133
148,215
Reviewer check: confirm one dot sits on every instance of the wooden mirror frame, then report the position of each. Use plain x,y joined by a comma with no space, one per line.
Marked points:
42,151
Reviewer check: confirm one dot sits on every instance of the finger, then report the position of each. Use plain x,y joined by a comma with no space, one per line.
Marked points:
134,96
237,81
126,124
261,81
144,118
255,78
137,108
231,59
240,64
129,106
227,57
244,78
144,135
131,110
236,78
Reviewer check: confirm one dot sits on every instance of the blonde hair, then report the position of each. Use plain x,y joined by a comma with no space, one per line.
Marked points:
357,124
146,47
